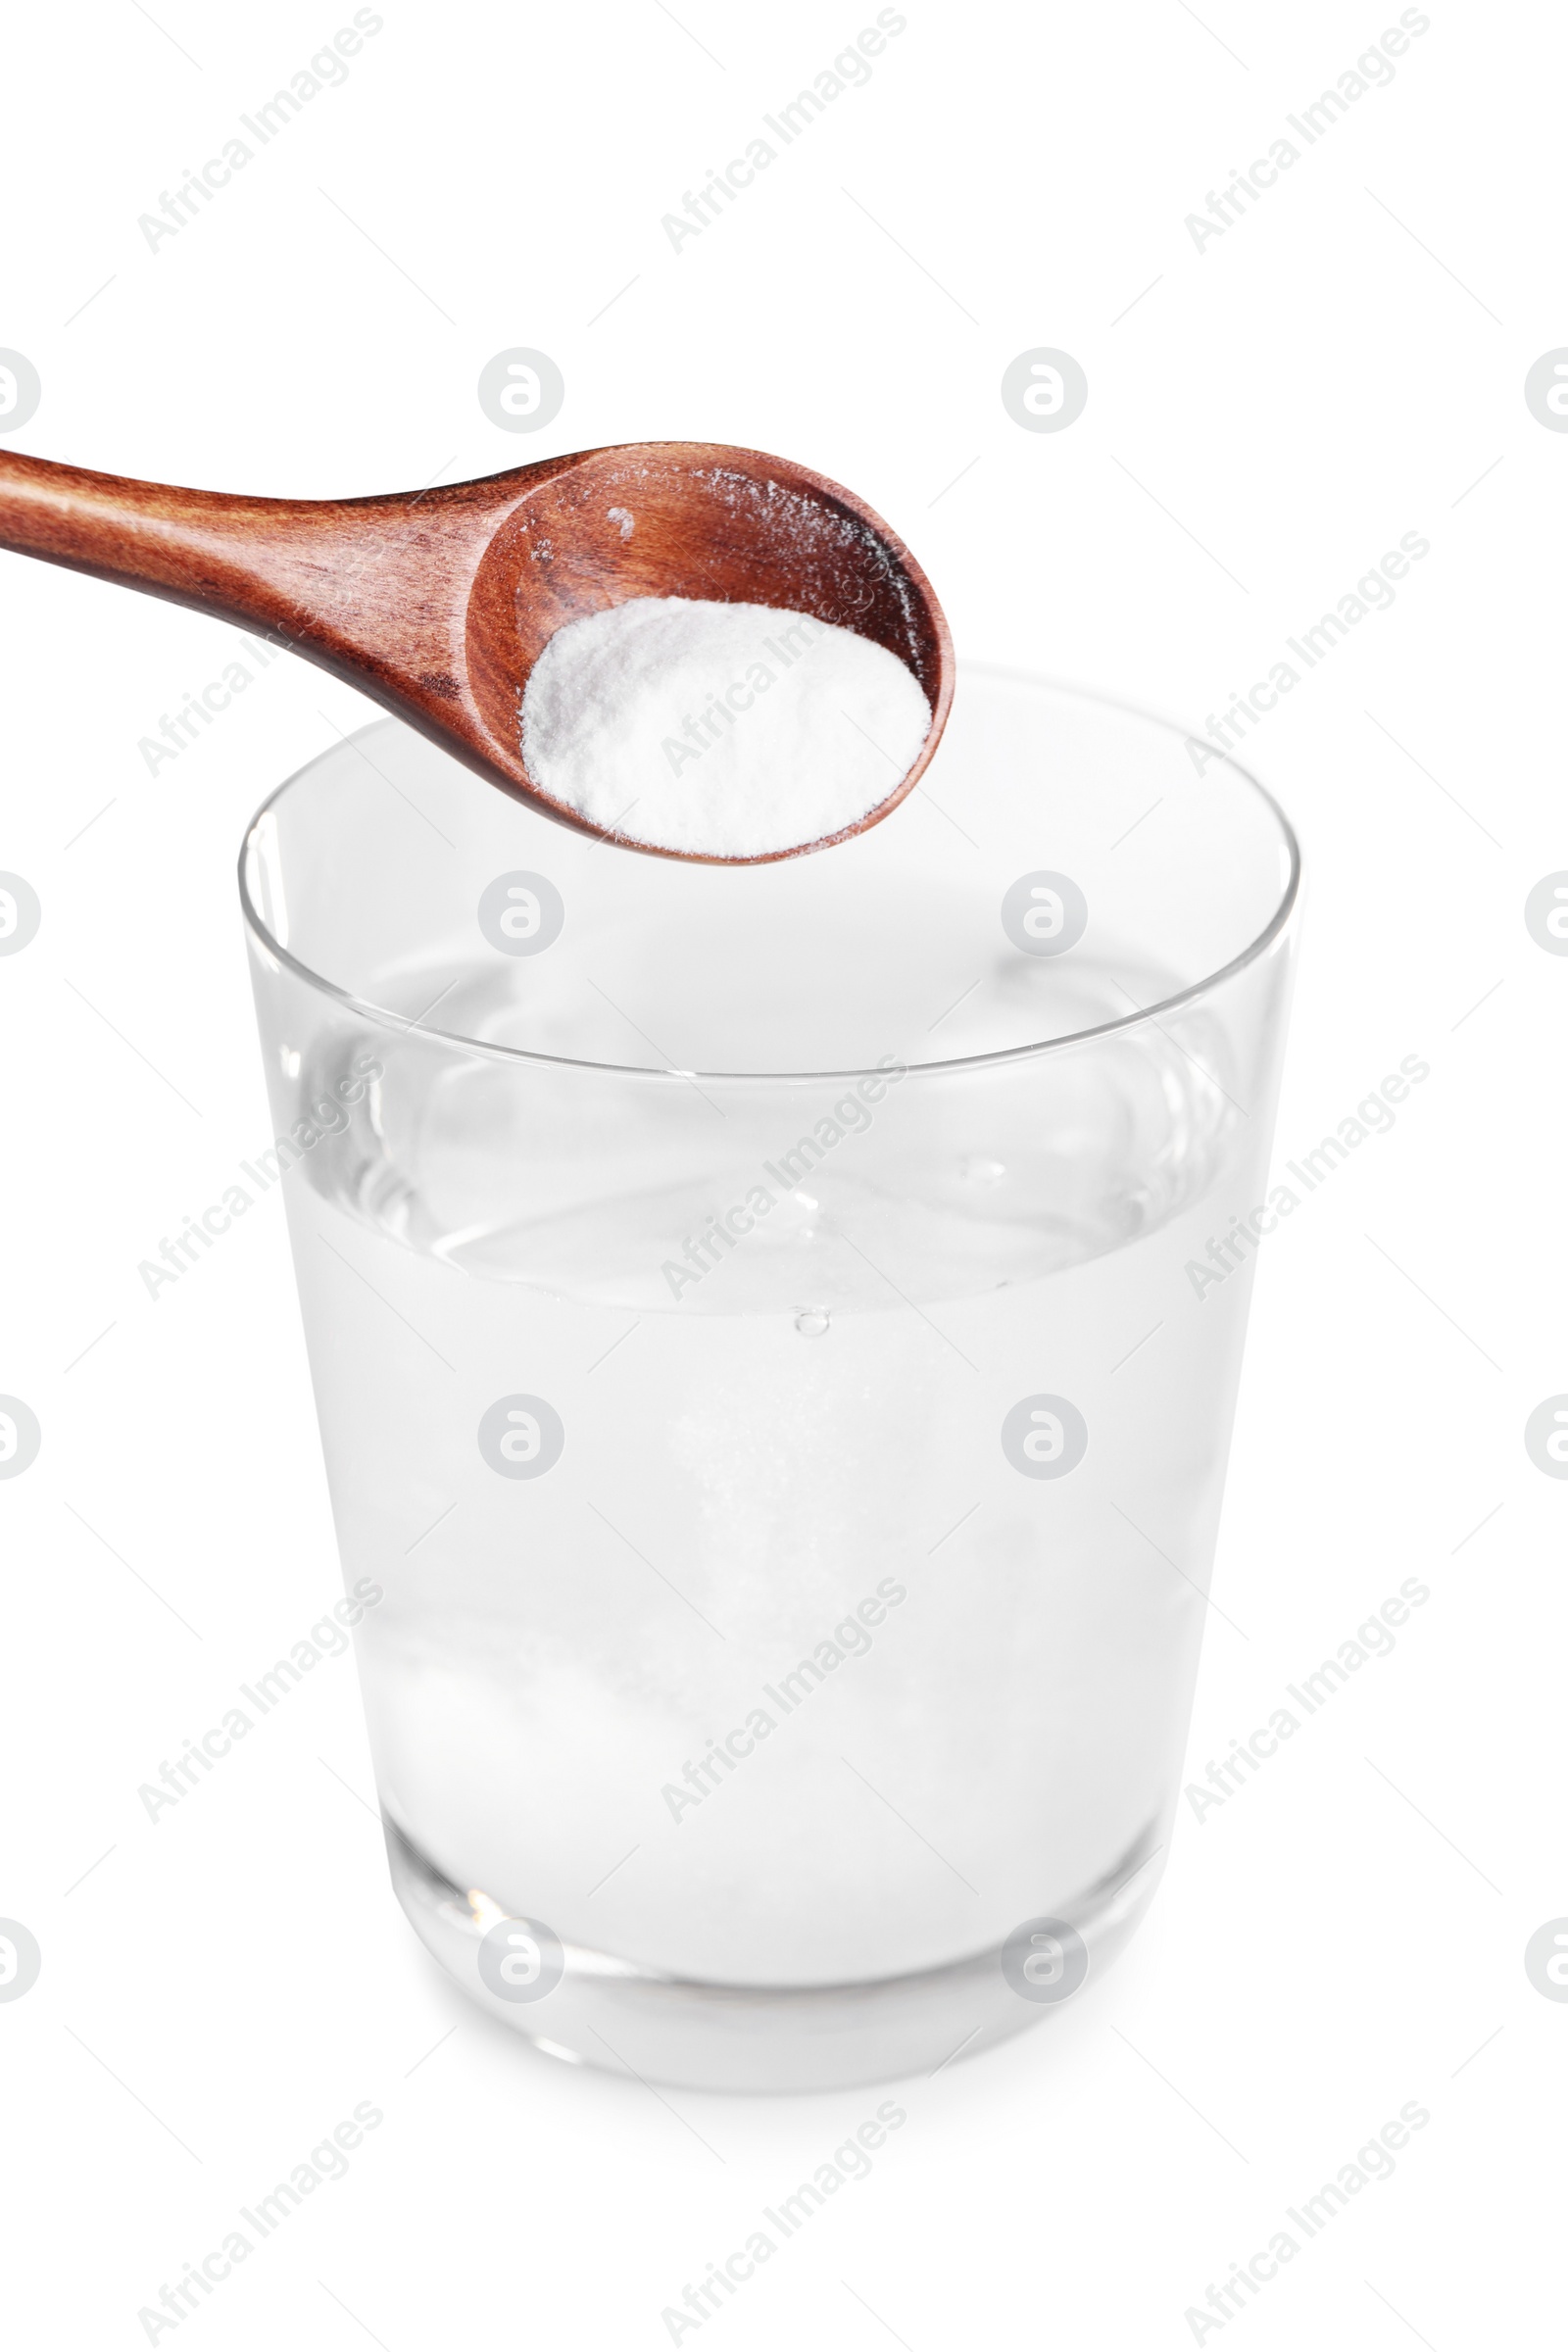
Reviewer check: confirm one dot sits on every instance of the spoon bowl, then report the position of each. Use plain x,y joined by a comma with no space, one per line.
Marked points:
438,603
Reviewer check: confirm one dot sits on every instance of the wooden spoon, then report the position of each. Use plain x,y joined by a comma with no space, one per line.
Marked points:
437,603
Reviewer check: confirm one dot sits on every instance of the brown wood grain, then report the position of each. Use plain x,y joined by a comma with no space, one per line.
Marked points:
437,603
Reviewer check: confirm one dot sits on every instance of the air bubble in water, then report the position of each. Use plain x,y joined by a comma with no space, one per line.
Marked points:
811,1322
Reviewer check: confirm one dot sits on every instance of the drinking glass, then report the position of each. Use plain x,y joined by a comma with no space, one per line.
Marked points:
775,1332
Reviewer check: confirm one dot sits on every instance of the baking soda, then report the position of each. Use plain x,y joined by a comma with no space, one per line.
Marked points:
723,730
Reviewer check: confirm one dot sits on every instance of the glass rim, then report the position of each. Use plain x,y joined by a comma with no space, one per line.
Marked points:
488,1048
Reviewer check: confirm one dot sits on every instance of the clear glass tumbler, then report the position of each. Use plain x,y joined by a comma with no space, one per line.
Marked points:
775,1334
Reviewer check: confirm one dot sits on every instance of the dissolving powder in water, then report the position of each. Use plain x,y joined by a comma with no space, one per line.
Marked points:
731,731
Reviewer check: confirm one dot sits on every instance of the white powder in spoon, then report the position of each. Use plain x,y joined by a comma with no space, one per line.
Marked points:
726,729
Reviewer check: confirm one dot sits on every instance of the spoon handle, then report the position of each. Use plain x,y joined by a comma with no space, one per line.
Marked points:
194,547
345,582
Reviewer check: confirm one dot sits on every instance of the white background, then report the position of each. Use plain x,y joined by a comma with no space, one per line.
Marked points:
1344,366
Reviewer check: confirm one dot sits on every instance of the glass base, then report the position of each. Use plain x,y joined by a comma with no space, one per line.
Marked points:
639,2022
